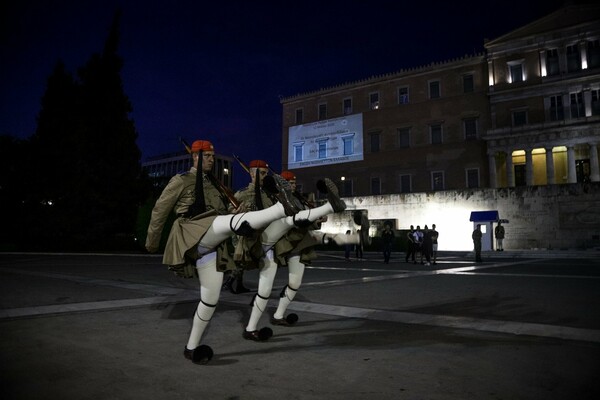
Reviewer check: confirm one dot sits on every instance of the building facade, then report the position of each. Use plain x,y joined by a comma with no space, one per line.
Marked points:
544,91
434,143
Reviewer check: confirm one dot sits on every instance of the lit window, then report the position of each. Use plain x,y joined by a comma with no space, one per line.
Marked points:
348,145
298,153
593,53
322,148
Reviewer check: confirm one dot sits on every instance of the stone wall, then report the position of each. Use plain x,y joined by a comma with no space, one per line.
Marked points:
540,217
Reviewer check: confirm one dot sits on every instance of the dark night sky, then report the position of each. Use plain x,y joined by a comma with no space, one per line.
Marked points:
216,71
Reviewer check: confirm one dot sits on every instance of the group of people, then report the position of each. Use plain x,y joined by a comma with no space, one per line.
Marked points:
267,224
423,243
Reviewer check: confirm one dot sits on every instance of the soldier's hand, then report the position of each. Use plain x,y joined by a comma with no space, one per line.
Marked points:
240,209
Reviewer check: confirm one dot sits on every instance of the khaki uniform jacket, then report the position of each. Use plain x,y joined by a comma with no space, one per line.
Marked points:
248,252
181,248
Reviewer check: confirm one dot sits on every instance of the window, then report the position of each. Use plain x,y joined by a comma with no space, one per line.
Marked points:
557,112
577,106
298,152
593,53
404,137
552,65
468,83
322,111
470,127
519,117
322,148
347,106
299,115
434,89
516,72
437,180
374,142
472,178
405,184
573,58
347,188
374,101
375,186
436,133
403,95
348,145
596,102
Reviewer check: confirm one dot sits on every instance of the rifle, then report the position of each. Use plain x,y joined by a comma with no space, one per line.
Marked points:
296,194
224,190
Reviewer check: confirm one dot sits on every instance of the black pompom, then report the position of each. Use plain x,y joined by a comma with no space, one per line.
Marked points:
322,186
202,354
265,333
292,319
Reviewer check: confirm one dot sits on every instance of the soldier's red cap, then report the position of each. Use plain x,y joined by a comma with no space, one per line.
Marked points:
288,176
258,164
202,145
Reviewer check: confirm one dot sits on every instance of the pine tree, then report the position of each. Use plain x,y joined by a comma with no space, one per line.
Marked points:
89,162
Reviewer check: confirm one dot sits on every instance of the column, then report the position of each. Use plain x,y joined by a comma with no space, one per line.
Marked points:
492,166
594,170
510,170
572,172
550,167
528,167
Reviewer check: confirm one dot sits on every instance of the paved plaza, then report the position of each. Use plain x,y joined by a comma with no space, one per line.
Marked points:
520,325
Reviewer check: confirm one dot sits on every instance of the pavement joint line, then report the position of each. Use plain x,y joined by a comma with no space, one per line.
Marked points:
444,321
165,290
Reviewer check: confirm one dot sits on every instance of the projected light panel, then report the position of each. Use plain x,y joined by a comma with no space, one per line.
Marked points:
331,141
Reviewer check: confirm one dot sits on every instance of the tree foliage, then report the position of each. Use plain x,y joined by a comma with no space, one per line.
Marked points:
88,175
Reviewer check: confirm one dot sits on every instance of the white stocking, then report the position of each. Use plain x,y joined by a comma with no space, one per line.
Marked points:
222,226
338,238
296,271
265,285
211,281
280,227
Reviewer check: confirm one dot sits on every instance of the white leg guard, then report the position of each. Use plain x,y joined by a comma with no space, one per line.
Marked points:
265,285
275,231
211,281
339,239
224,225
296,270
